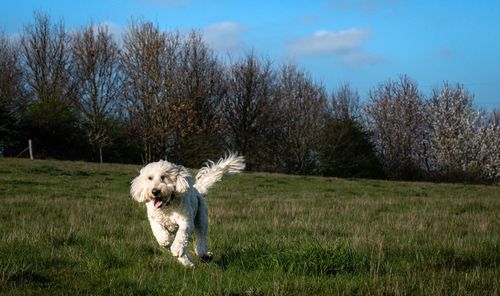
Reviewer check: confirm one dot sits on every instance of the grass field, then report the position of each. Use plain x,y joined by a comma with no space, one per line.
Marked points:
71,228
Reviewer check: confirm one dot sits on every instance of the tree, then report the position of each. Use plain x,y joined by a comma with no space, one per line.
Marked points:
303,111
489,149
95,70
49,118
11,94
195,117
454,126
345,103
397,122
345,149
251,111
148,62
495,116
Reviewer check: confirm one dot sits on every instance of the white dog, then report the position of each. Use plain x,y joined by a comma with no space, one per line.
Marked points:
176,207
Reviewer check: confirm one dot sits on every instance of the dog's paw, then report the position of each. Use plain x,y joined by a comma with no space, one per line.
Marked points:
206,258
186,261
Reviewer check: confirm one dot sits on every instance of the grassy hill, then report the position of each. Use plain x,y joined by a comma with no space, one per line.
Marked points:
71,228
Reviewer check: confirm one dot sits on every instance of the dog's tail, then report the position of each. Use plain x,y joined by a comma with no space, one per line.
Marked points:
213,172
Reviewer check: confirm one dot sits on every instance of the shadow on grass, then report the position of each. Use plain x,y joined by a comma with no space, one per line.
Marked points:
312,261
485,257
28,276
16,274
56,171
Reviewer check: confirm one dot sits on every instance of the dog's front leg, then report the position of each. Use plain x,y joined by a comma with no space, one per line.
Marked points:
180,245
162,235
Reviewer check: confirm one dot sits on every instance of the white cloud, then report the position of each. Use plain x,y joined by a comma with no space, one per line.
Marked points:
325,42
346,46
225,37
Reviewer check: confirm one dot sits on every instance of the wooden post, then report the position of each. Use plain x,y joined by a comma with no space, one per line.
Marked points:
31,149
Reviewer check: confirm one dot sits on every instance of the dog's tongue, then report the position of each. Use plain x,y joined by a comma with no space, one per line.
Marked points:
158,203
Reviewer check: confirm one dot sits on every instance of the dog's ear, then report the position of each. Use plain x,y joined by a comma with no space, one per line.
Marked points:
183,180
137,189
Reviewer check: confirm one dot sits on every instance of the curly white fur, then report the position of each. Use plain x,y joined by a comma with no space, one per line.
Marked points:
212,172
176,207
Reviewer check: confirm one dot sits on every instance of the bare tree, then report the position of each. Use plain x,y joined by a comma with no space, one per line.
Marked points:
95,61
11,91
304,108
147,60
251,111
345,103
49,116
44,49
199,87
397,122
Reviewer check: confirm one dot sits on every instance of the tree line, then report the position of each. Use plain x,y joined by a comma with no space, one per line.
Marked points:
153,94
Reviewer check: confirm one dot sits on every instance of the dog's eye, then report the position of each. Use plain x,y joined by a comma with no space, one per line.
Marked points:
150,178
163,178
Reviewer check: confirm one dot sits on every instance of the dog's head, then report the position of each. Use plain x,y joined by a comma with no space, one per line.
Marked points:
160,182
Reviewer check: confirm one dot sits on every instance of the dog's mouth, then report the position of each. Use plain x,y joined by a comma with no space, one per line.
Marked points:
159,202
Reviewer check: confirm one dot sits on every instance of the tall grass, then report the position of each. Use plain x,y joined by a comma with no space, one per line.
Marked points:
71,228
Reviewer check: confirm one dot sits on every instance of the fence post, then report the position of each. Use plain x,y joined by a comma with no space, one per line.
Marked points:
31,149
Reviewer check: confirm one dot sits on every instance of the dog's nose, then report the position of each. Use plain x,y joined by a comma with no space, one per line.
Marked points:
155,191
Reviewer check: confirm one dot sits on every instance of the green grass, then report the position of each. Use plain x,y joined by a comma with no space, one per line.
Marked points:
71,228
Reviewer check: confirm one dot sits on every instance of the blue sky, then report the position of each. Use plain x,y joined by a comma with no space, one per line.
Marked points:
362,42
